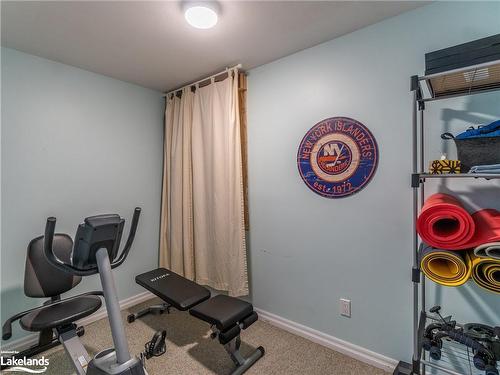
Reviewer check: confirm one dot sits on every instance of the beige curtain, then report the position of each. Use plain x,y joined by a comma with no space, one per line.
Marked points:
203,228
176,239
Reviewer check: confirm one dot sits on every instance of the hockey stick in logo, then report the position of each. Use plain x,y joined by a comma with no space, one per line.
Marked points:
337,158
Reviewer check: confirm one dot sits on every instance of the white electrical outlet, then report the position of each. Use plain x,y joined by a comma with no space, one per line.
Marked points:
345,307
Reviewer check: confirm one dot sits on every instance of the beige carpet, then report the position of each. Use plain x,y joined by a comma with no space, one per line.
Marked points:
191,351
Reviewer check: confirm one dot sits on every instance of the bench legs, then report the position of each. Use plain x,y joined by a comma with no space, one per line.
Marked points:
242,364
230,338
154,309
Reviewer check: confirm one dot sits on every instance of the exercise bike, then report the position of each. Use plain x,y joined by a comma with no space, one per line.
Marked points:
52,260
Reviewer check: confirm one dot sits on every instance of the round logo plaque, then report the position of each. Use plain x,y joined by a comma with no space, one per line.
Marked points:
337,157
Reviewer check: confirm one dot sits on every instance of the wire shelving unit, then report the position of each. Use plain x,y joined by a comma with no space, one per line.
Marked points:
457,359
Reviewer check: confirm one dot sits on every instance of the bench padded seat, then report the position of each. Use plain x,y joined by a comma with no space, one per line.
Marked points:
174,289
222,311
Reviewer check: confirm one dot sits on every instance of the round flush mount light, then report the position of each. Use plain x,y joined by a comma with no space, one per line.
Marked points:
201,15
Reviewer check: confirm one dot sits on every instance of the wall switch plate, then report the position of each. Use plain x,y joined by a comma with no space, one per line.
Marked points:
345,307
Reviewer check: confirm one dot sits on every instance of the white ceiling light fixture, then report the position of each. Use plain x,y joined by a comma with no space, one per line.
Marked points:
202,14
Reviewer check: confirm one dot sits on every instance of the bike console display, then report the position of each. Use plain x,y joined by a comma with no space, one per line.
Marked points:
97,232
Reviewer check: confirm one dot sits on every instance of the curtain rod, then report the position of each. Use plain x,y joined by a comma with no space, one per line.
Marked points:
202,80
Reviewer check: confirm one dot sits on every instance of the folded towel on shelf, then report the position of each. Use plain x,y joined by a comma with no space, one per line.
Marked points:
491,169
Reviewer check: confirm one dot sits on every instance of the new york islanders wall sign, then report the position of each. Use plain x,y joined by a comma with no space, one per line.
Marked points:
337,157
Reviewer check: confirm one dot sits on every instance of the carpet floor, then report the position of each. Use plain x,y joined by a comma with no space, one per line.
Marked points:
191,351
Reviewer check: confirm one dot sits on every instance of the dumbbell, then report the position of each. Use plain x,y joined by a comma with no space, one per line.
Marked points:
435,351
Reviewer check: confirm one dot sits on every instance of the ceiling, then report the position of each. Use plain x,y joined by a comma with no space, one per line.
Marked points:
150,44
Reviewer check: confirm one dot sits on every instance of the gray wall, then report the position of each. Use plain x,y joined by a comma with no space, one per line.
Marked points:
75,144
307,251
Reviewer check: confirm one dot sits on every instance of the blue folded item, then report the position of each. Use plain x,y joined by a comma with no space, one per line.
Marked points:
490,130
490,169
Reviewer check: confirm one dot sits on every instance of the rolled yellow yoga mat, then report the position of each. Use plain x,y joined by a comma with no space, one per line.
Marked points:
445,267
486,273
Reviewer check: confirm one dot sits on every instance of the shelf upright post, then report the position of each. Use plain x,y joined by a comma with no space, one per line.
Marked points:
415,270
421,108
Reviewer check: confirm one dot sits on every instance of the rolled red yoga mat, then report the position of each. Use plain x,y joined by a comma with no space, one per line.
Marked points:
487,227
444,223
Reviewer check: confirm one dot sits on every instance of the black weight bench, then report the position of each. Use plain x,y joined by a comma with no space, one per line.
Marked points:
226,315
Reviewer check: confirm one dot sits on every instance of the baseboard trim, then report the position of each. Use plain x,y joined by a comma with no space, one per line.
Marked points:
31,339
357,352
